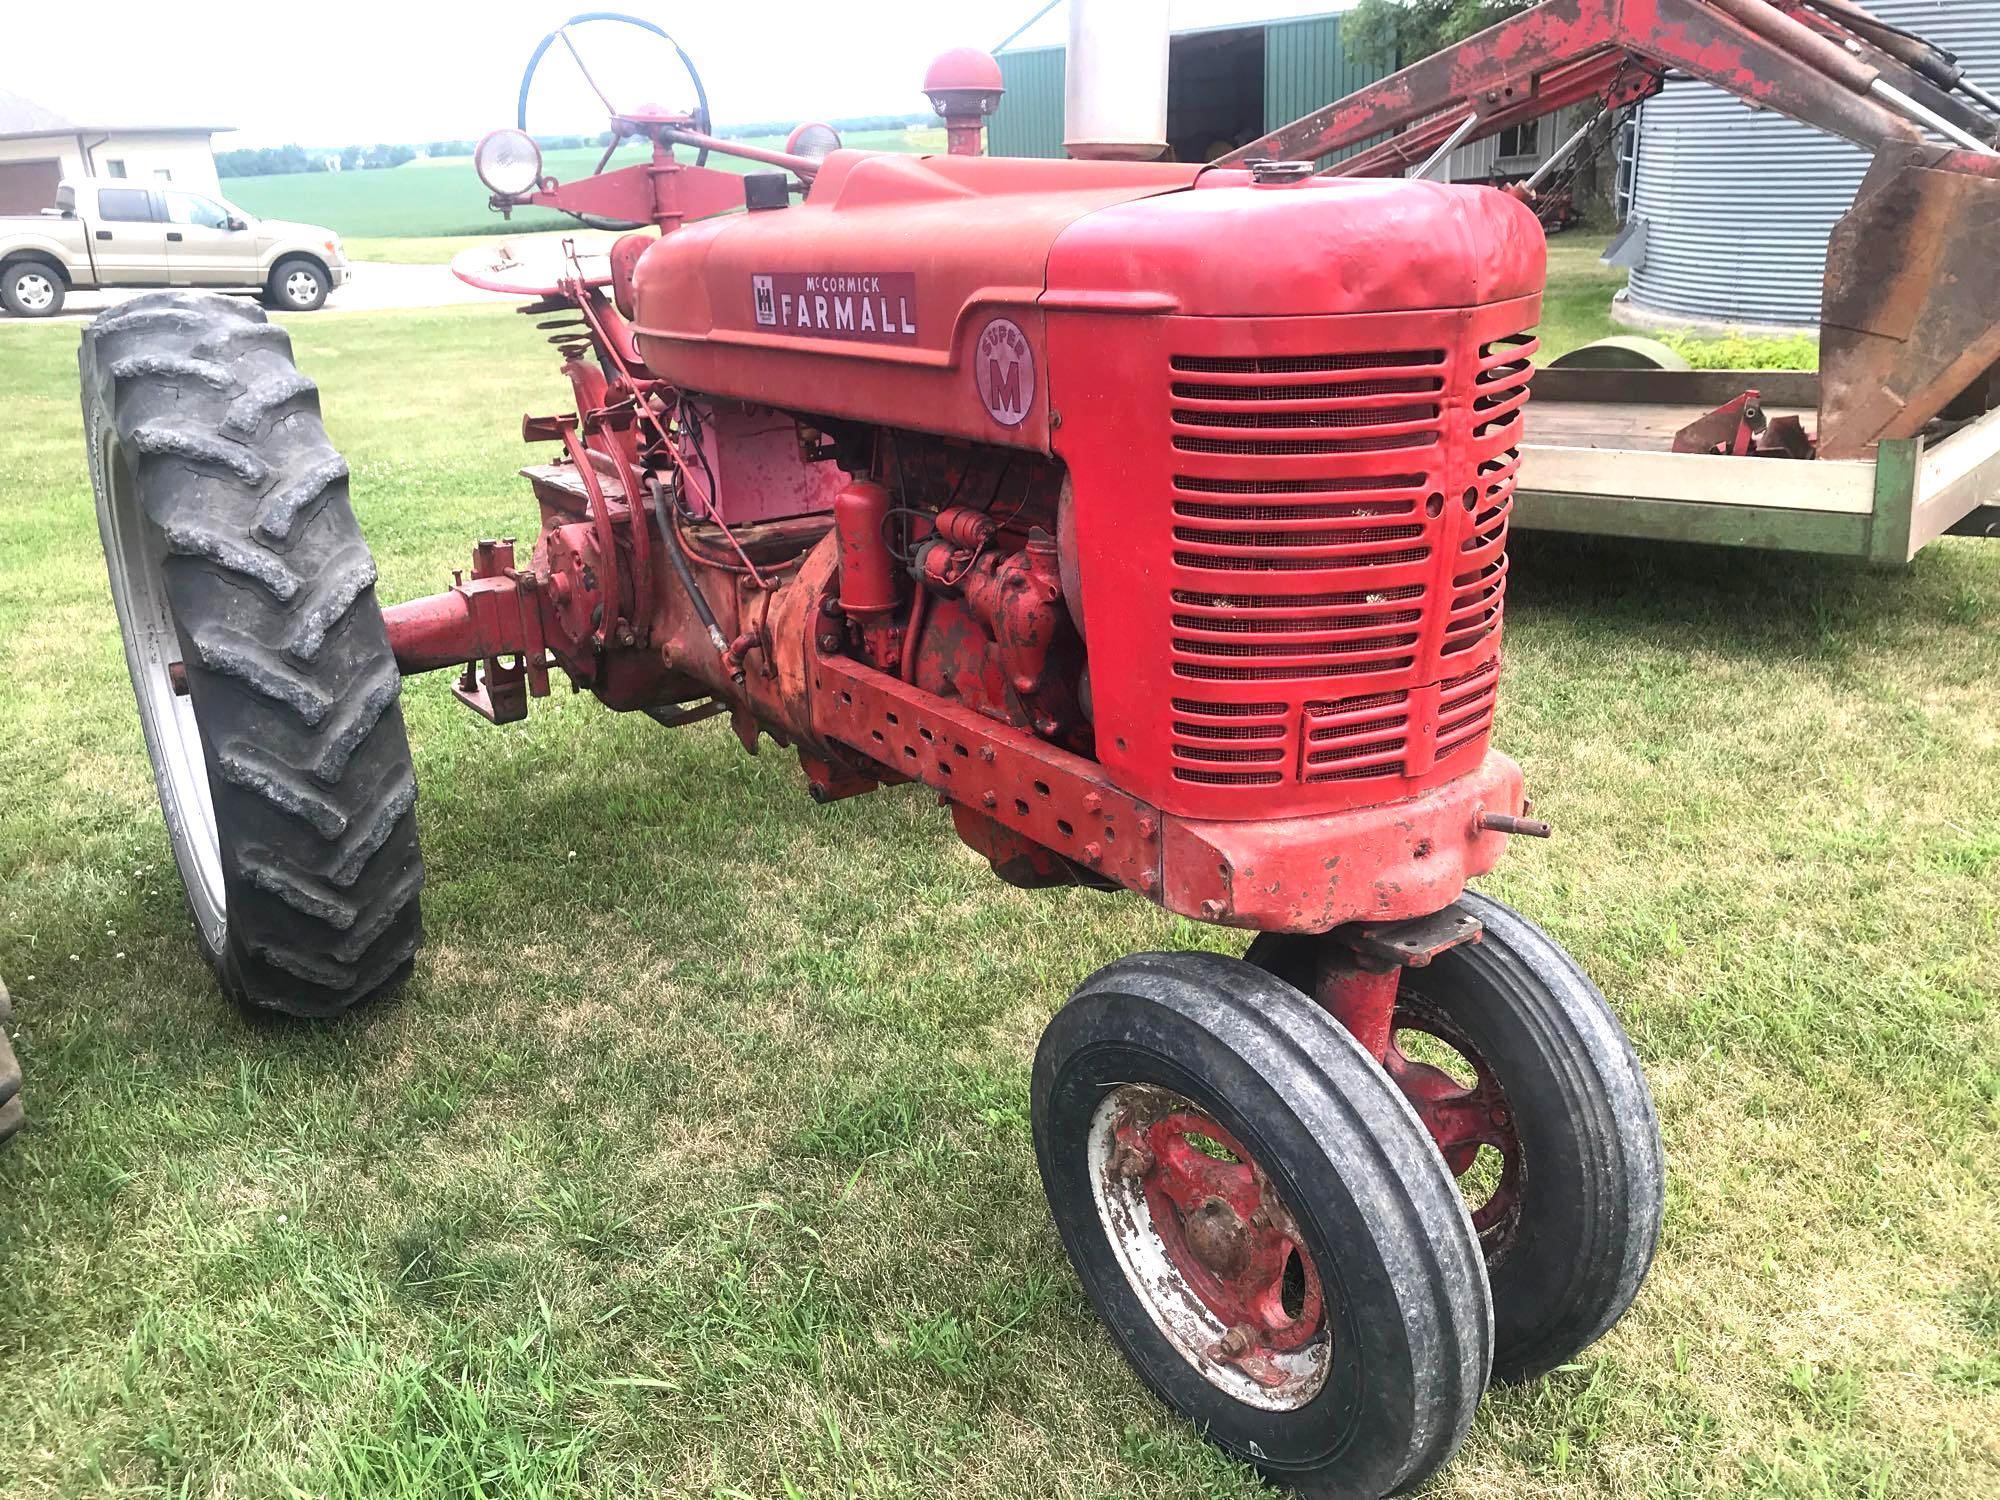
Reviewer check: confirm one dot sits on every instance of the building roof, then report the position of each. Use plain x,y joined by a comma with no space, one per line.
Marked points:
22,117
1052,29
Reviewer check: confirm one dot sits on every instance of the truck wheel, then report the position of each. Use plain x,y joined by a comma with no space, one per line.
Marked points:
267,689
10,1073
32,289
1261,1223
295,286
1532,1092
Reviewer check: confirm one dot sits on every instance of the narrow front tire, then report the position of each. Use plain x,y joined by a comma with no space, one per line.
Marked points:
1532,1091
1261,1223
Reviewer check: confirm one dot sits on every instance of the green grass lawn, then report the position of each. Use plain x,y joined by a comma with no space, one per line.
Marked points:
444,197
694,1160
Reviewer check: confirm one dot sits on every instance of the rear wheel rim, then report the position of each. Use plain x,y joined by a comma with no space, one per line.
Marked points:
35,291
134,556
301,287
1210,1250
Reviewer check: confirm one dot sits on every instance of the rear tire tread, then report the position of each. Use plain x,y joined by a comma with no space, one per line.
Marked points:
292,679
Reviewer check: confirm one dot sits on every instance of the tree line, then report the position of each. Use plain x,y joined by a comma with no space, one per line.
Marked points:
269,161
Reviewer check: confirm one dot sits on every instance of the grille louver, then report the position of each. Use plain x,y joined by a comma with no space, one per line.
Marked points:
1339,518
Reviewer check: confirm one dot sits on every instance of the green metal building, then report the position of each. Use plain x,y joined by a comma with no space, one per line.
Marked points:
1229,78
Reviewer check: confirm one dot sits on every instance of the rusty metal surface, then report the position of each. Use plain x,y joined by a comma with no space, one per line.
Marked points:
1060,801
1384,863
1208,1243
1911,315
1564,51
1413,944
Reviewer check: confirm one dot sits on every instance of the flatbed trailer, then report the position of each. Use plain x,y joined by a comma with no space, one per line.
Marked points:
1598,458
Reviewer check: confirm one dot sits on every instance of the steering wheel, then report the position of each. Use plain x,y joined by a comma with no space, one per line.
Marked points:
641,120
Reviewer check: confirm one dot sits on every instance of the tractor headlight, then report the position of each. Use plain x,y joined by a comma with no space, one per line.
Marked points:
814,140
508,162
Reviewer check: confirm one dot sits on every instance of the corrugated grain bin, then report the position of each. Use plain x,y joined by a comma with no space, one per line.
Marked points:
1738,204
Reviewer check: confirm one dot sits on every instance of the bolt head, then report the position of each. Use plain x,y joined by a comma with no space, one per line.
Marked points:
1131,1160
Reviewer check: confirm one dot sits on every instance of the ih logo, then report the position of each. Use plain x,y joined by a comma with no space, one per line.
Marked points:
767,301
1003,367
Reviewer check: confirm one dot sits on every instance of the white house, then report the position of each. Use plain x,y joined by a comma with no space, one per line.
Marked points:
39,147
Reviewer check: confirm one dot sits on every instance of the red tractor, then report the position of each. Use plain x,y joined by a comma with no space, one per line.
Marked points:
1154,517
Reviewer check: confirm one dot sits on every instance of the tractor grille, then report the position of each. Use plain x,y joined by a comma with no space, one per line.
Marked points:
1339,526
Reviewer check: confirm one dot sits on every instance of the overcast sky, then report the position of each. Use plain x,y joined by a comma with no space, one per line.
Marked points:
416,70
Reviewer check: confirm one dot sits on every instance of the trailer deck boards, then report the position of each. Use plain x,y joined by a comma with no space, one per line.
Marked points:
1598,458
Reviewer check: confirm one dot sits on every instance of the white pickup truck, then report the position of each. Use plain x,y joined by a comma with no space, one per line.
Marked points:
113,232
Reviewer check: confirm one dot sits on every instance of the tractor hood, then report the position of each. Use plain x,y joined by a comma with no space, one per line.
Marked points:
913,290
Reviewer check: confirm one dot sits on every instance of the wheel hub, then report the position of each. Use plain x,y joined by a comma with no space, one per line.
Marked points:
1218,1238
1210,1247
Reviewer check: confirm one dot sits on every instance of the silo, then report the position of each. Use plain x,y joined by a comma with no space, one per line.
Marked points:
1738,204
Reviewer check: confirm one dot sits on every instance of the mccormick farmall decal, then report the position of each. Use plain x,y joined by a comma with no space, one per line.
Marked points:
877,307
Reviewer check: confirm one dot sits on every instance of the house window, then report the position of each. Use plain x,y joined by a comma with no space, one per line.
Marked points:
163,174
114,168
1522,139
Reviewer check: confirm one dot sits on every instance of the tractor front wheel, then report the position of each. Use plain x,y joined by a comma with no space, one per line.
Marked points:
1261,1223
1535,1098
267,690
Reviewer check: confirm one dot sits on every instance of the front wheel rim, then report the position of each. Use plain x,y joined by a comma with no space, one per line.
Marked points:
1466,1119
34,292
301,287
1210,1250
134,557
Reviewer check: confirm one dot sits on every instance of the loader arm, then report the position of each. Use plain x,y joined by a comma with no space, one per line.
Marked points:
1911,313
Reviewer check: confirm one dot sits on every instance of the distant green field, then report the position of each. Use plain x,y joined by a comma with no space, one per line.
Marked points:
443,197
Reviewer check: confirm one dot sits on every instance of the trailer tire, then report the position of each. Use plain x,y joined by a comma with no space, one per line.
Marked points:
32,289
1588,1188
237,567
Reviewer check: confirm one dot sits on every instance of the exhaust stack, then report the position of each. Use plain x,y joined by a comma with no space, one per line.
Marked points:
1115,84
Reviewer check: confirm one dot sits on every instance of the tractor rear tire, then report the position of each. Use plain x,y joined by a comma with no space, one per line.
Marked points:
266,685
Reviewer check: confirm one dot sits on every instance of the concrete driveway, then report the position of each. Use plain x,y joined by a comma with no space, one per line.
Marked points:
374,287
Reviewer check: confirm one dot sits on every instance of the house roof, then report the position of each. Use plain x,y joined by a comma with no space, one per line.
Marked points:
22,117
1052,28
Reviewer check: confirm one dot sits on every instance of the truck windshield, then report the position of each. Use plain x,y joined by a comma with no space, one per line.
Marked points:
192,208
